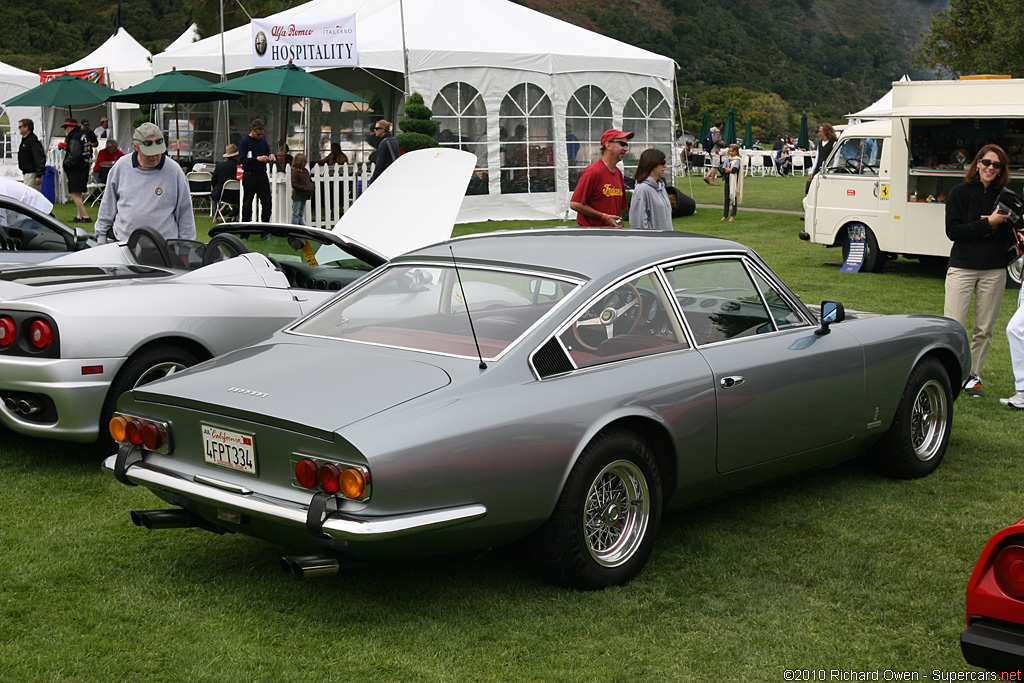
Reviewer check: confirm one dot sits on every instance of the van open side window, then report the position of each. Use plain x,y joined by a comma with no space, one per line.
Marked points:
856,156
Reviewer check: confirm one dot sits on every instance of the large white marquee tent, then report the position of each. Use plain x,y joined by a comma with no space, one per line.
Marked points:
528,94
14,81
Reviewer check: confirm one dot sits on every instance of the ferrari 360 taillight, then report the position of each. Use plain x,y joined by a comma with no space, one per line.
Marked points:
1009,570
40,334
8,330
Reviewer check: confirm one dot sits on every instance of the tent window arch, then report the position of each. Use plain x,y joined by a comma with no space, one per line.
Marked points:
588,114
647,114
527,129
461,117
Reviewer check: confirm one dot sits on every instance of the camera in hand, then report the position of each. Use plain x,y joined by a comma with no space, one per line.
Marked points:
1012,203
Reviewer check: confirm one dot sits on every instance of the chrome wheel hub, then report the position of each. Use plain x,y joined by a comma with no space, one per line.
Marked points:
928,420
616,514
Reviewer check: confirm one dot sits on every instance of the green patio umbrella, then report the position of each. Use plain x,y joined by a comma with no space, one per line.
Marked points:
64,91
729,134
287,81
171,88
748,137
705,127
802,142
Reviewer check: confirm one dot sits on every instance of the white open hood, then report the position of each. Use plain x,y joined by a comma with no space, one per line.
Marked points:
411,204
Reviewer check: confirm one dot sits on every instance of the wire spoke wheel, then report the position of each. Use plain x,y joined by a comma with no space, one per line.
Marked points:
928,420
616,515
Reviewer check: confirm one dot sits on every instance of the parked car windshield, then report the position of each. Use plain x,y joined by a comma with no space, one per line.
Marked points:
424,308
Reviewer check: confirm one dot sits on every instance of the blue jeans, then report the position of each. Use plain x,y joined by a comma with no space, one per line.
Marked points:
298,211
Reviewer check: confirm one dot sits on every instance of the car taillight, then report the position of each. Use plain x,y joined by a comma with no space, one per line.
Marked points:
353,483
329,477
332,477
8,329
133,432
139,431
1009,570
305,472
40,334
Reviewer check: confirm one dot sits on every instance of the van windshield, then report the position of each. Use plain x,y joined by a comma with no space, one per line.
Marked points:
857,156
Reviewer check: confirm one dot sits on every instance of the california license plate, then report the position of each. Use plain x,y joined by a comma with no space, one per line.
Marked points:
233,450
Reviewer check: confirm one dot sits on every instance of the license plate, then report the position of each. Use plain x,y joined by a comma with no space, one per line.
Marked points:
233,450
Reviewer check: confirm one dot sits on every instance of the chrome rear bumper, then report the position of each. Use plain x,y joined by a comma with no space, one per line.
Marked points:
334,524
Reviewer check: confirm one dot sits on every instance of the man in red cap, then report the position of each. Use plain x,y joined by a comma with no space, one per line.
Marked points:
600,196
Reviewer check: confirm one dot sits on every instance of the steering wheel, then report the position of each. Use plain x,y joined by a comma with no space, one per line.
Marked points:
618,312
853,165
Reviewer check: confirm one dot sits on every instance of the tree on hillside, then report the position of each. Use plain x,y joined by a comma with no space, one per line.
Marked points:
206,14
975,38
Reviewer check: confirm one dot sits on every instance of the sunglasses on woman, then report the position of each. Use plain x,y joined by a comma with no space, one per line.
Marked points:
994,164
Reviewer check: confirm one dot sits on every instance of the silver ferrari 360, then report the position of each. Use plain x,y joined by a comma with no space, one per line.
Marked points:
80,329
559,384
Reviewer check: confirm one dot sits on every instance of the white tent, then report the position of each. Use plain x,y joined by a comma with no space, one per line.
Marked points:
126,63
881,108
190,36
488,68
14,81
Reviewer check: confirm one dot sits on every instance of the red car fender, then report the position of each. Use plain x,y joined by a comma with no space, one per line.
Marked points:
984,597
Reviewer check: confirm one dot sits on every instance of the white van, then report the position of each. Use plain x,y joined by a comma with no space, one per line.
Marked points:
885,183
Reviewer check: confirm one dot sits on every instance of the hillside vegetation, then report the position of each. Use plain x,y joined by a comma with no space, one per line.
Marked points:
772,59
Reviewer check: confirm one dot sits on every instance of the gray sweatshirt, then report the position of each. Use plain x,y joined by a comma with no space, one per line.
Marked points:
156,197
650,208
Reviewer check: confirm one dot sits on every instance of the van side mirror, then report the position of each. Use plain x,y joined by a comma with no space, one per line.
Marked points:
831,312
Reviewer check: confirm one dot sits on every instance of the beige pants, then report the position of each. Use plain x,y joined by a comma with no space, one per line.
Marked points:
987,287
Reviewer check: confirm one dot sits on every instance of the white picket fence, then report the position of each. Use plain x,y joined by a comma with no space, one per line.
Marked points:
336,187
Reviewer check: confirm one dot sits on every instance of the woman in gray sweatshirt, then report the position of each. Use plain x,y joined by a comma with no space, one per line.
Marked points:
650,208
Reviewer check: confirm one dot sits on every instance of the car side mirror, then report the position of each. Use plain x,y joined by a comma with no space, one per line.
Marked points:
831,312
81,238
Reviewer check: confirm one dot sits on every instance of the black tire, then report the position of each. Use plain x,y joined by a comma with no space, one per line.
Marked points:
917,439
148,364
606,521
874,260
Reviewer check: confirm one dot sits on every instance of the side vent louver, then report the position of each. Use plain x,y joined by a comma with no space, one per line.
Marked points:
550,359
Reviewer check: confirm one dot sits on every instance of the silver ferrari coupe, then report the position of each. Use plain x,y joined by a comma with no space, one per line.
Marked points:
563,385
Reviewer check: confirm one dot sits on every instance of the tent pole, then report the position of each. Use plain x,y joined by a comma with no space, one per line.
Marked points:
689,177
224,77
406,89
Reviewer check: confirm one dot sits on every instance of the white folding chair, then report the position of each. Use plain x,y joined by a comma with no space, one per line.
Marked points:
799,162
755,164
232,190
200,185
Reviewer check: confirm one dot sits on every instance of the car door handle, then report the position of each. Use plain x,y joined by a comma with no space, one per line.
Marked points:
730,382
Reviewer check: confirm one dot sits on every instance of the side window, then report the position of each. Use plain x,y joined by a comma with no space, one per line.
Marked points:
719,300
782,313
22,232
631,319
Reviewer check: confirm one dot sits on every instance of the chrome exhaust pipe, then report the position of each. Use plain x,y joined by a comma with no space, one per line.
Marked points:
309,566
11,405
27,406
163,519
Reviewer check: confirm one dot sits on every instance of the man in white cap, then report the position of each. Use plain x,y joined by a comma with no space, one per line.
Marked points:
146,189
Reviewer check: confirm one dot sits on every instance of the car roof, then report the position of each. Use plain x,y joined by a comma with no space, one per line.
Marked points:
588,253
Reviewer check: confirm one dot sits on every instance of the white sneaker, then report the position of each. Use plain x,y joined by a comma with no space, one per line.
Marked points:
1015,401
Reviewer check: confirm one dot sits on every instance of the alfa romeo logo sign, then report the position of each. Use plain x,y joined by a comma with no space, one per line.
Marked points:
261,43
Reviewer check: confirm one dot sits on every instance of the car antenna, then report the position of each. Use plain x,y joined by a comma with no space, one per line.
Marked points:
465,300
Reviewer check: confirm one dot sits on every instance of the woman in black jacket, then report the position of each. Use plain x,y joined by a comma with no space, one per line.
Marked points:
977,261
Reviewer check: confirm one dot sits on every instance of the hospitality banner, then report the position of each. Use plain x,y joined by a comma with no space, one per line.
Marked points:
94,75
307,41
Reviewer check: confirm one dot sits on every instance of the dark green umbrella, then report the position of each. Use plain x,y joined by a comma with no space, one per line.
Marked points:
802,142
705,127
729,134
64,91
171,88
289,80
748,137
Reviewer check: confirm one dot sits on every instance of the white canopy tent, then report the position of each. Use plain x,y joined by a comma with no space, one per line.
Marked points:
190,36
126,63
487,69
14,81
881,108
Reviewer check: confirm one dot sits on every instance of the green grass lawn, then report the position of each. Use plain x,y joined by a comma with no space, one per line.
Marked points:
839,569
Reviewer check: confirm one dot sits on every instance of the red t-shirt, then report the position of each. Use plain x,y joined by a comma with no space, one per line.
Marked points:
602,190
104,157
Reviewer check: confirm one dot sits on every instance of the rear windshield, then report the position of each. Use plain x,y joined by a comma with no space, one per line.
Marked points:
424,308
